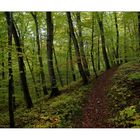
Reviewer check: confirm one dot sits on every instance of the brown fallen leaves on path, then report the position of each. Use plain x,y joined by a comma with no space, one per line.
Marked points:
96,112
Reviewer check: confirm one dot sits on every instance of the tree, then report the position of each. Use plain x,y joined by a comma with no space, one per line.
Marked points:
106,60
98,53
71,59
139,30
11,81
43,80
2,63
80,38
57,68
124,22
117,37
21,65
92,46
54,88
77,51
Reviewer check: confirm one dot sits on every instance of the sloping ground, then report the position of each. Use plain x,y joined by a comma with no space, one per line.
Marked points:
59,112
124,96
96,113
113,100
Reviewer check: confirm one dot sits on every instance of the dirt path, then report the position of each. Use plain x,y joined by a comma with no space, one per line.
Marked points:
96,110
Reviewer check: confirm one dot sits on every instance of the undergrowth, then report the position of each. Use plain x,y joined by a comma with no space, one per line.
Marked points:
124,96
60,112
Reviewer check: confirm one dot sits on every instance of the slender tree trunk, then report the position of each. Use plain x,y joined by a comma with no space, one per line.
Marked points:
57,68
139,32
11,81
3,72
125,59
30,68
71,59
75,42
92,46
54,87
42,74
117,37
103,42
81,46
23,79
33,77
98,53
67,68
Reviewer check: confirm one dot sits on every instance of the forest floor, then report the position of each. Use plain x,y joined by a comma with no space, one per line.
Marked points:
115,99
110,101
96,111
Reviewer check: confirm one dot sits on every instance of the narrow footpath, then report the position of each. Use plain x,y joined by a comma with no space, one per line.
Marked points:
96,112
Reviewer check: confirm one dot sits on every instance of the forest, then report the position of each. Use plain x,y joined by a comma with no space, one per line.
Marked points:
70,70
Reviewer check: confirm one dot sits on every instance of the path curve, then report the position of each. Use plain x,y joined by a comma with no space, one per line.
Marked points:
96,112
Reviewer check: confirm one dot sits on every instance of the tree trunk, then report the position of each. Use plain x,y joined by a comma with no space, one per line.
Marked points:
139,32
57,68
117,38
54,87
75,42
11,81
42,74
67,68
103,42
125,59
71,59
24,84
92,46
98,53
81,46
33,76
3,72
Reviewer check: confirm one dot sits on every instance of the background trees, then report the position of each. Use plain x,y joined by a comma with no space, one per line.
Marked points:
78,44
